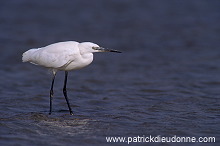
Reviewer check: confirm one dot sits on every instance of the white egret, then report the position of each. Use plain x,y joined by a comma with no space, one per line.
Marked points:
63,56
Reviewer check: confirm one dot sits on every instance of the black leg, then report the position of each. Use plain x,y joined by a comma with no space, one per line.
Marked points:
51,92
65,93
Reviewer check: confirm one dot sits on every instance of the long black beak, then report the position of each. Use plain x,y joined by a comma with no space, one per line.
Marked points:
108,50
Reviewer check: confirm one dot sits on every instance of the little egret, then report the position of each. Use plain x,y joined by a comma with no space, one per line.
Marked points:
63,56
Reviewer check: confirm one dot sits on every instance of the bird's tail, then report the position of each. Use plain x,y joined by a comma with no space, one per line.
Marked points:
26,57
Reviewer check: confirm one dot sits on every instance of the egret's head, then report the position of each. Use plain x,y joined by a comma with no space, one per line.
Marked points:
91,48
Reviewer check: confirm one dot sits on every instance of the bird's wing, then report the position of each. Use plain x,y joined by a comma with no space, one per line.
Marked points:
55,55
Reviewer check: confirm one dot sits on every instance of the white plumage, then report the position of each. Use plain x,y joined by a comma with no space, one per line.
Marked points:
69,55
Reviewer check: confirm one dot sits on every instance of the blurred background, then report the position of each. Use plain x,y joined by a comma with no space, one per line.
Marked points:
166,82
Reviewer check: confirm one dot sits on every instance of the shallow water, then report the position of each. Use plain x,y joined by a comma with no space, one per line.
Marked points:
166,82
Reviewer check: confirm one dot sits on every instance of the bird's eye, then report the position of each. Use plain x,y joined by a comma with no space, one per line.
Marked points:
95,48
